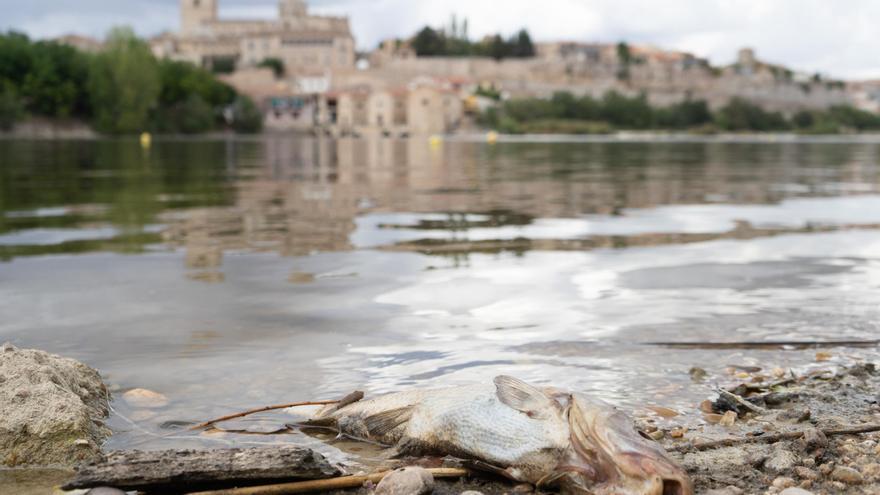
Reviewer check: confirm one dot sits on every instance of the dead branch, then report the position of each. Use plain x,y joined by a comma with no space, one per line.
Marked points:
327,484
776,437
740,401
348,399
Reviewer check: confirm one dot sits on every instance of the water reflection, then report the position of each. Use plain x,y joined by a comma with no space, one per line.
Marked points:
229,274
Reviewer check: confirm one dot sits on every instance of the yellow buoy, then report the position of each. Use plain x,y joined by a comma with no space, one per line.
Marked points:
146,139
435,141
492,137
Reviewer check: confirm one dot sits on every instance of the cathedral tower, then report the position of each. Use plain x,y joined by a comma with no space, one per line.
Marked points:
195,13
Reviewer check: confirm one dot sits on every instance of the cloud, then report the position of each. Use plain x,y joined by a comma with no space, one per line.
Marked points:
810,35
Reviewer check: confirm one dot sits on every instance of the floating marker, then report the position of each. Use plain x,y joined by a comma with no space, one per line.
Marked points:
492,137
146,139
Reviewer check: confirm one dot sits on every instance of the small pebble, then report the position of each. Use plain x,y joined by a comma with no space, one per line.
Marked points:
728,419
411,480
677,432
814,439
797,414
795,491
471,492
730,490
806,473
826,468
847,475
656,435
781,460
105,490
783,482
872,471
141,397
697,374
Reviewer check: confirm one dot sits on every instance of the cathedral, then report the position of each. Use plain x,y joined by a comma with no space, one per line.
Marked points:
305,43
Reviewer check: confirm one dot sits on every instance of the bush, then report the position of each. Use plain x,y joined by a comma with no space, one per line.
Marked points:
742,115
247,118
562,126
276,64
11,108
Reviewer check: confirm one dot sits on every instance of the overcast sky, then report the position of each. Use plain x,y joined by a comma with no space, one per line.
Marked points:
836,38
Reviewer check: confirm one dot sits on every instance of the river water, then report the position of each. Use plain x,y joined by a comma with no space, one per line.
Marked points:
228,274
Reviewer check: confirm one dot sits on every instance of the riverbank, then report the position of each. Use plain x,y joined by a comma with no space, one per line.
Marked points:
47,129
769,430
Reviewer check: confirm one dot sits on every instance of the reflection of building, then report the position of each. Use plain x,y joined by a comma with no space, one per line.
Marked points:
300,40
305,195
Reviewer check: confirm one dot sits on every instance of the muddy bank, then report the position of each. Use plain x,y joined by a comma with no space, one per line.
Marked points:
51,409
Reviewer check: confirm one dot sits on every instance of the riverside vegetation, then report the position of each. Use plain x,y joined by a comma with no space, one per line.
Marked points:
570,114
122,89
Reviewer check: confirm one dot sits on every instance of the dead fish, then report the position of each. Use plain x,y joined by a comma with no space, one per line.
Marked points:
546,437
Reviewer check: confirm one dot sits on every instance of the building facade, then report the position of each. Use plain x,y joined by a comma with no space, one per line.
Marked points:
303,42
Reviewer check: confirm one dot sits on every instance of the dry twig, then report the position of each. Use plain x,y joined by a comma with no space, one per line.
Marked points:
327,484
348,399
776,437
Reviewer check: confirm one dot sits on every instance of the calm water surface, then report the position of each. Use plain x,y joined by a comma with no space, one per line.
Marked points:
233,274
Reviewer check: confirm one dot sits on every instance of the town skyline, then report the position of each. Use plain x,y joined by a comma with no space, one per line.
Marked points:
837,43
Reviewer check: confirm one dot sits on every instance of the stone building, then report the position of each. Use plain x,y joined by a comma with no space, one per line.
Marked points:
300,40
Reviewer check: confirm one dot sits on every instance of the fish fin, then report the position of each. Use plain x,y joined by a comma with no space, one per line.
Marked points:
523,397
381,423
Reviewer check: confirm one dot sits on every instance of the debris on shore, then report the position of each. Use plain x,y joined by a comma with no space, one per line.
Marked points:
52,409
772,432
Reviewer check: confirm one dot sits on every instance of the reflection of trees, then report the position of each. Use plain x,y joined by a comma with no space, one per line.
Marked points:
298,195
306,194
98,183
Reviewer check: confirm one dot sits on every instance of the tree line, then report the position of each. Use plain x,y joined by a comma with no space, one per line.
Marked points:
121,89
455,42
567,113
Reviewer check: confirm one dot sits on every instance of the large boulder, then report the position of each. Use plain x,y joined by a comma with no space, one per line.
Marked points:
51,409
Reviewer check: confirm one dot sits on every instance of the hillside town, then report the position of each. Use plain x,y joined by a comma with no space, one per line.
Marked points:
305,74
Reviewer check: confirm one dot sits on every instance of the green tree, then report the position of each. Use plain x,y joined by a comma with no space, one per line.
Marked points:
124,83
247,117
627,112
743,115
429,43
522,45
276,64
624,58
11,107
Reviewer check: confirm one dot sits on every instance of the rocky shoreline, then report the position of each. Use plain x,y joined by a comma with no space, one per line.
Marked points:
769,431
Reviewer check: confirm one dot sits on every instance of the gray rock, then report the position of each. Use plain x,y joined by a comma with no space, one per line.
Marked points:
781,461
411,480
795,491
729,490
814,439
847,475
105,490
806,473
51,409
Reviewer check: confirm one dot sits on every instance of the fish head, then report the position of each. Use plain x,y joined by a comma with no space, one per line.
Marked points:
608,456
